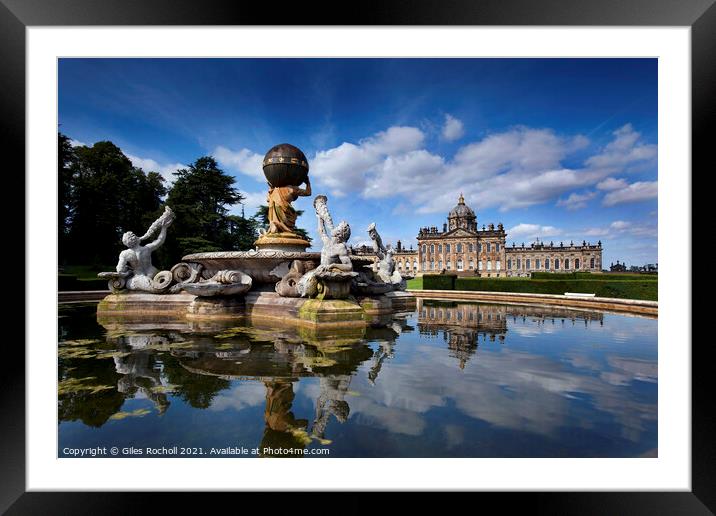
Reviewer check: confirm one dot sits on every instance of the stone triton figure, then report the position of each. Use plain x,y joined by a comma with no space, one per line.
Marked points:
135,262
336,265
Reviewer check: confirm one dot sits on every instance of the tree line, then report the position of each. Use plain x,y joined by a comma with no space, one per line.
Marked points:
102,195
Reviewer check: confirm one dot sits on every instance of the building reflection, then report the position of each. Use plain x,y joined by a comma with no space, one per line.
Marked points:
462,325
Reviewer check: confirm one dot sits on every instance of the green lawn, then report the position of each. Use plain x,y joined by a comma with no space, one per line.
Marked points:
82,277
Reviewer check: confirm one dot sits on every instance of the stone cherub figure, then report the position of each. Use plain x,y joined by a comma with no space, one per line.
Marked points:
135,262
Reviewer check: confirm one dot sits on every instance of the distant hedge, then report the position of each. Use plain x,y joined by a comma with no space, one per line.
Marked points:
594,277
439,281
639,289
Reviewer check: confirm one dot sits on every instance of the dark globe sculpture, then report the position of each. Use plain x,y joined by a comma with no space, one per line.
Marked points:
285,165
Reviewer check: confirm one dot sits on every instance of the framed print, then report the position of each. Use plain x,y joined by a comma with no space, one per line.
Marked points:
446,249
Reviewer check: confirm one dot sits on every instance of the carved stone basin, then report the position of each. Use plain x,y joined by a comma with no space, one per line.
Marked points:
263,266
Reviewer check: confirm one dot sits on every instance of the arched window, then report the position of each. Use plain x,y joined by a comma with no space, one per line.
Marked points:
497,265
537,264
425,249
556,264
458,248
497,248
566,263
432,248
546,264
576,263
440,248
489,265
471,248
479,265
509,263
519,263
449,265
440,265
528,264
591,263
459,264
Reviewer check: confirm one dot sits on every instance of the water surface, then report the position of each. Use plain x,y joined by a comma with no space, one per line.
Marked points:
448,380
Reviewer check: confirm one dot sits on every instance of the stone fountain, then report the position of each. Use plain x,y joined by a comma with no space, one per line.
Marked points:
278,280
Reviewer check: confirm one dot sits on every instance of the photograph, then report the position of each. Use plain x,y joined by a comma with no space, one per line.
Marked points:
374,257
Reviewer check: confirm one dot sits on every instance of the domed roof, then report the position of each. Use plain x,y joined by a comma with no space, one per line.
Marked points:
461,210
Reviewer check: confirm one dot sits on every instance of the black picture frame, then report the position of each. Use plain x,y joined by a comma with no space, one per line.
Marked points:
16,15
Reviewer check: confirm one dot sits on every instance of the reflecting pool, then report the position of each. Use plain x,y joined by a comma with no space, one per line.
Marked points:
452,379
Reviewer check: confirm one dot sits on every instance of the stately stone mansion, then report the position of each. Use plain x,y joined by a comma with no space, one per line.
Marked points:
463,248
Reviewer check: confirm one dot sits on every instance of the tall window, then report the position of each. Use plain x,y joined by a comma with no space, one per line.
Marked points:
471,248
425,266
440,265
458,248
489,265
556,264
459,264
488,247
472,264
566,263
497,265
425,249
509,263
528,263
479,248
479,265
449,265
546,263
537,264
519,263
591,263
576,263
447,248
497,248
432,248
432,266
440,248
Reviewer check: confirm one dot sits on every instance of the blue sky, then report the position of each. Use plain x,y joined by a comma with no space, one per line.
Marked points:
560,149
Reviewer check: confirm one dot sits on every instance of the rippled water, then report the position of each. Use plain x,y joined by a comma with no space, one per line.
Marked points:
448,380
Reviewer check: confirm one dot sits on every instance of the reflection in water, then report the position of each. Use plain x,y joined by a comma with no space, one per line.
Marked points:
546,382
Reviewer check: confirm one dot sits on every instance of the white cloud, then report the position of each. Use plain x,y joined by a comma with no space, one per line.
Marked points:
624,150
347,168
531,231
77,143
611,183
620,224
243,161
635,192
149,165
453,128
576,201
